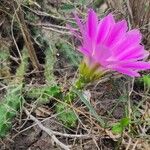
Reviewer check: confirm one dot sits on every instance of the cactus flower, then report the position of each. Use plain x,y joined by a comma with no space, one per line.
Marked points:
111,45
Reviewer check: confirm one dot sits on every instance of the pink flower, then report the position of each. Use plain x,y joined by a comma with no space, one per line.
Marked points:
110,44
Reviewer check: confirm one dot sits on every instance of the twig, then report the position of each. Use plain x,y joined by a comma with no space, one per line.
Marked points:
56,30
129,100
87,136
41,13
72,135
12,33
129,144
134,146
26,36
47,130
48,25
130,18
129,9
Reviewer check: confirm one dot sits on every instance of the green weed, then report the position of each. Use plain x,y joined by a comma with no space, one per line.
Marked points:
121,125
12,101
66,115
44,94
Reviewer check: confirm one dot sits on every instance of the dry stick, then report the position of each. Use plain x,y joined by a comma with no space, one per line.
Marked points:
131,20
129,101
12,33
129,9
86,136
57,133
27,39
47,130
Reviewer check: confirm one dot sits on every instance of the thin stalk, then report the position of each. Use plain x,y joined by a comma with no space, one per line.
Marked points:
27,39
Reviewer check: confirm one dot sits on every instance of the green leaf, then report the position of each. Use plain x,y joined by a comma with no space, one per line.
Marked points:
43,94
50,60
119,127
125,122
4,128
66,115
8,110
53,91
90,107
146,79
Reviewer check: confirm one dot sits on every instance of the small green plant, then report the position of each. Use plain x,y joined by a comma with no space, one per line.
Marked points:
66,115
4,65
44,94
146,80
119,127
50,59
9,108
12,101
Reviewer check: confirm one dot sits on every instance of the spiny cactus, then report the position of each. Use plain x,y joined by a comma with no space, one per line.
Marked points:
4,64
49,64
44,93
12,101
8,109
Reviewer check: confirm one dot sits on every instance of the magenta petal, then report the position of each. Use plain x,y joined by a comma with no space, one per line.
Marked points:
84,51
129,40
128,72
116,33
101,54
79,24
74,32
92,23
144,56
131,52
136,35
104,27
139,65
